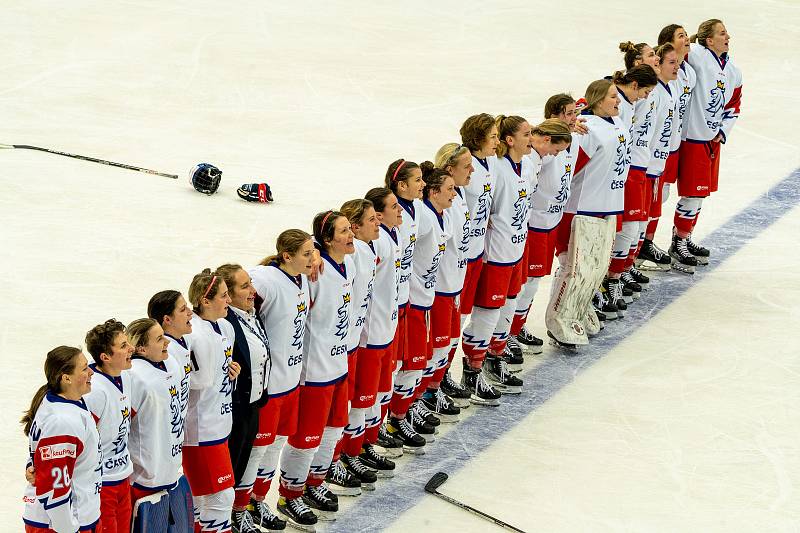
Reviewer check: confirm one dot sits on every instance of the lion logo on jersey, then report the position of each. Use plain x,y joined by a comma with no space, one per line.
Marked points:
622,156
647,123
482,207
717,99
299,326
683,101
342,317
563,189
520,218
176,421
408,253
187,369
227,383
430,275
666,131
464,245
121,442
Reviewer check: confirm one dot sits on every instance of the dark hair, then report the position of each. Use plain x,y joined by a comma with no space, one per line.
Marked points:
378,196
289,241
162,304
206,284
433,177
667,33
632,52
59,361
705,31
324,226
398,171
644,75
557,104
506,126
100,339
475,130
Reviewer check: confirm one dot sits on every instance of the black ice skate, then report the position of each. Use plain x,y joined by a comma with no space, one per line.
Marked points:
297,513
481,392
342,482
242,522
455,391
413,442
651,257
682,258
320,503
358,469
605,304
420,425
638,277
370,458
701,253
529,341
614,294
263,516
513,361
496,370
392,445
427,415
630,283
441,405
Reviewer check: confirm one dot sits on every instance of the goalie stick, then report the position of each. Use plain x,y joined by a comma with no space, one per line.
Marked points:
438,480
87,158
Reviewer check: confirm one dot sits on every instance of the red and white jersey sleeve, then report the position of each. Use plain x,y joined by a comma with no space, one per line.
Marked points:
156,438
682,89
408,238
282,302
328,324
431,245
664,122
65,452
601,168
552,188
110,404
208,419
510,211
642,132
478,196
381,321
453,266
717,96
365,260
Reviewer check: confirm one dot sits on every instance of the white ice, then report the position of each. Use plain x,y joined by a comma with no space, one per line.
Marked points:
691,423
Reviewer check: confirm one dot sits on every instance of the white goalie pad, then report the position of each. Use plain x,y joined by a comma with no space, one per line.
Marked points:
575,281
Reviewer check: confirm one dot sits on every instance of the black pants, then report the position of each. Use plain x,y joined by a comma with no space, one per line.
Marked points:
243,434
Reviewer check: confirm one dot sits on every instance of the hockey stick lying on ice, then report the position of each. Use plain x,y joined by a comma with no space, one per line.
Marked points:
87,158
438,480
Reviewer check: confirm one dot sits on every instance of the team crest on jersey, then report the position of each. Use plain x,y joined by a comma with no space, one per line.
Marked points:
176,421
520,218
408,253
342,318
717,99
563,189
430,274
187,369
646,124
482,210
666,131
299,326
683,101
622,160
227,383
121,442
464,244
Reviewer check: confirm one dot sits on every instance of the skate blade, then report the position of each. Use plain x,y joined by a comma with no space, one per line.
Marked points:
448,419
384,474
509,390
428,438
414,451
301,527
514,368
683,269
702,261
325,516
652,267
461,403
486,403
369,487
610,315
637,295
391,453
344,491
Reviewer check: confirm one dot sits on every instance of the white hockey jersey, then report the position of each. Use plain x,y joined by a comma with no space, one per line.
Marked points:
180,350
381,321
328,324
110,404
663,124
365,261
478,196
642,132
64,448
510,211
682,89
408,239
431,245
156,439
601,169
453,266
282,302
208,419
627,110
552,189
717,96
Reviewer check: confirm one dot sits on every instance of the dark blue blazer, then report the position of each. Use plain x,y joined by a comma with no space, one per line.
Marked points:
241,354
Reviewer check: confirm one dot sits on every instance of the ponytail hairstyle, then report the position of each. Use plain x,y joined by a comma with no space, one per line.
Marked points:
557,104
138,331
398,171
227,271
643,75
100,339
433,177
324,226
475,130
506,126
162,304
705,31
59,361
354,210
596,92
632,52
556,129
667,34
663,50
378,196
204,285
447,155
289,241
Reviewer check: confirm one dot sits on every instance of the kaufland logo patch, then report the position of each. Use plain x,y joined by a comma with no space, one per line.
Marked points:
223,479
58,451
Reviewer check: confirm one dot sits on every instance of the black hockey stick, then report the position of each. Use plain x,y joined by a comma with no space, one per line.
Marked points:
438,480
87,158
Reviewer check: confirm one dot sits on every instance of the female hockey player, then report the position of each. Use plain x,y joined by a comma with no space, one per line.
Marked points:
65,450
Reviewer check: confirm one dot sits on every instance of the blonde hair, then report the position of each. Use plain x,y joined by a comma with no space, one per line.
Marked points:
204,285
447,155
596,92
555,128
506,127
705,31
289,241
354,210
138,331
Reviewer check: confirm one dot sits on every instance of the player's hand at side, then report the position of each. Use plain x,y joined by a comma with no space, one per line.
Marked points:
316,266
30,475
233,370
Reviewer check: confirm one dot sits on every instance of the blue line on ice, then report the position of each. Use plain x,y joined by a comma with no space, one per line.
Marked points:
375,511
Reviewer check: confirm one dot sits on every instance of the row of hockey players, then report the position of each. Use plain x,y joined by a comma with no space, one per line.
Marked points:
328,376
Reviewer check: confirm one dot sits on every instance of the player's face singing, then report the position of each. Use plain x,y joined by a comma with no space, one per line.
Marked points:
370,226
669,67
462,169
649,57
180,319
411,188
719,43
243,294
217,307
569,115
79,382
155,349
489,144
681,43
392,214
342,243
443,198
520,142
120,357
302,261
609,107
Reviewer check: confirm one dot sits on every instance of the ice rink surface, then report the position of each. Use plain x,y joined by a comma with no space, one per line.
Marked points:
683,417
